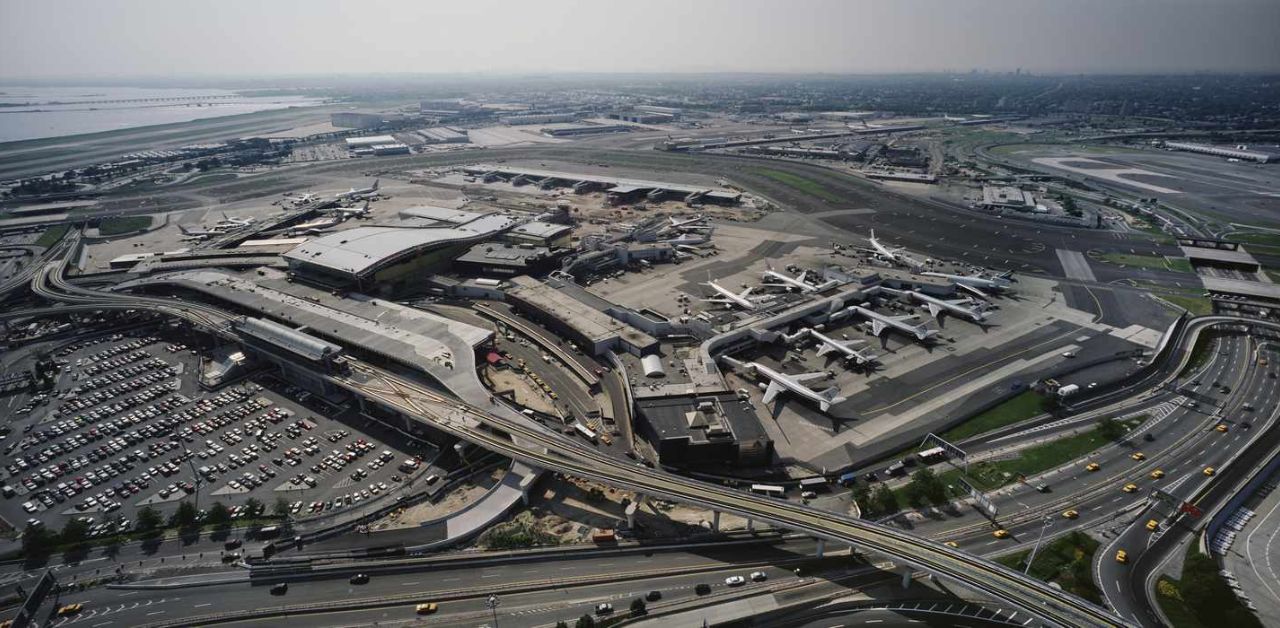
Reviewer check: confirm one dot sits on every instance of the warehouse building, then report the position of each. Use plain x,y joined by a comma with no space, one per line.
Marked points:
357,120
1243,153
591,329
585,129
369,141
701,430
544,234
496,259
1006,196
388,259
444,135
538,118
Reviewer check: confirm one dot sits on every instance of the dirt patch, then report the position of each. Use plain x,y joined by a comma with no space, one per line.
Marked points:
467,493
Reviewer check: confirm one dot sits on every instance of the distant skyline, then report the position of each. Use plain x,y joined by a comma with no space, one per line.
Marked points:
118,39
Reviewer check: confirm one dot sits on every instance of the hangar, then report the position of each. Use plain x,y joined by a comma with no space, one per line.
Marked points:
619,190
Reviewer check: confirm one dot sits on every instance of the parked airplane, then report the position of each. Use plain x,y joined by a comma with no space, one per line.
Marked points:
352,212
361,192
786,281
696,220
895,255
965,308
976,284
731,298
779,382
827,344
199,234
315,227
229,222
690,238
880,322
305,198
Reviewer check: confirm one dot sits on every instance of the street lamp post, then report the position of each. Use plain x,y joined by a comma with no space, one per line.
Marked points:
492,603
1048,521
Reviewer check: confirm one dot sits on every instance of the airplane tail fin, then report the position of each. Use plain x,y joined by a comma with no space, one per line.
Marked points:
831,397
183,229
375,183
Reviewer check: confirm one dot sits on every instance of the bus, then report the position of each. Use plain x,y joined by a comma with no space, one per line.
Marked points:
932,455
769,489
810,484
585,431
848,479
267,532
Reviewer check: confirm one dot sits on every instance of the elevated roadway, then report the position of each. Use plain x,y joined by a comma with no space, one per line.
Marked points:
496,432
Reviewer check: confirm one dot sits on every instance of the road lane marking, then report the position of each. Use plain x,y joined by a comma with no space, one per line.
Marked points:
203,605
155,613
408,584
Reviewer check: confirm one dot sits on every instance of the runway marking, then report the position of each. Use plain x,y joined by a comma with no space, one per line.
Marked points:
1075,265
101,623
408,584
155,613
203,605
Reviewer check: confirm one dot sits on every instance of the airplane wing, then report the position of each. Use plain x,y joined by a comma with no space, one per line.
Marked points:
772,391
804,377
934,309
973,290
745,292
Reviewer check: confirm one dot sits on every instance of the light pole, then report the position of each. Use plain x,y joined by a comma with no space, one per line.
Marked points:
492,603
1048,521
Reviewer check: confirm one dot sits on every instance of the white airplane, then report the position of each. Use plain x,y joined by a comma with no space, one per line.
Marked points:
696,220
976,284
798,282
352,212
199,234
827,344
893,255
689,239
779,382
315,226
305,198
965,308
229,222
731,298
880,322
361,192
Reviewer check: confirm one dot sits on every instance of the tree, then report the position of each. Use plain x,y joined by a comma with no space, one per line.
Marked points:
281,508
585,622
886,502
927,486
1111,428
149,519
36,540
75,533
862,495
218,514
185,517
254,507
637,607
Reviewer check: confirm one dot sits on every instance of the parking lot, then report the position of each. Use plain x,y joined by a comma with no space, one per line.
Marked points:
126,426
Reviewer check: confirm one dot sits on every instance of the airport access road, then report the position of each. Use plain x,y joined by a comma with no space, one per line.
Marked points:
1238,452
560,588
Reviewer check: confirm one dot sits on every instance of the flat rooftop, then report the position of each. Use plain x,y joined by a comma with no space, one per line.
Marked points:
1255,289
588,321
363,249
576,177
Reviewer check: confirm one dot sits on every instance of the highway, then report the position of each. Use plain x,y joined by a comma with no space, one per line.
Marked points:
557,453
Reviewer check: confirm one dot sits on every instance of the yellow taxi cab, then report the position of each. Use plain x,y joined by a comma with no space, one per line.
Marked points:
1222,427
70,609
951,544
1070,514
1153,525
1001,533
1122,557
1157,474
1092,466
1129,488
1208,470
1137,455
426,608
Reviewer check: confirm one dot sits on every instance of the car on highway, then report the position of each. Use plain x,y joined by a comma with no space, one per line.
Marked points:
1139,456
1209,471
360,578
70,609
1222,427
1092,466
1001,533
759,576
1070,514
1122,557
604,608
1153,525
426,608
734,581
702,588
280,589
951,544
653,596
1157,474
1130,488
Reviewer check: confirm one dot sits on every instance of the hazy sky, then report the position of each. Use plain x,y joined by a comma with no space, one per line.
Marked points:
154,38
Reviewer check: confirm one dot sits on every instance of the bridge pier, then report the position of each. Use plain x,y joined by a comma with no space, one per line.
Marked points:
715,520
906,576
822,546
751,525
632,509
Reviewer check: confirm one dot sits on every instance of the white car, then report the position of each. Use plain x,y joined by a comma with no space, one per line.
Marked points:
759,576
735,581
